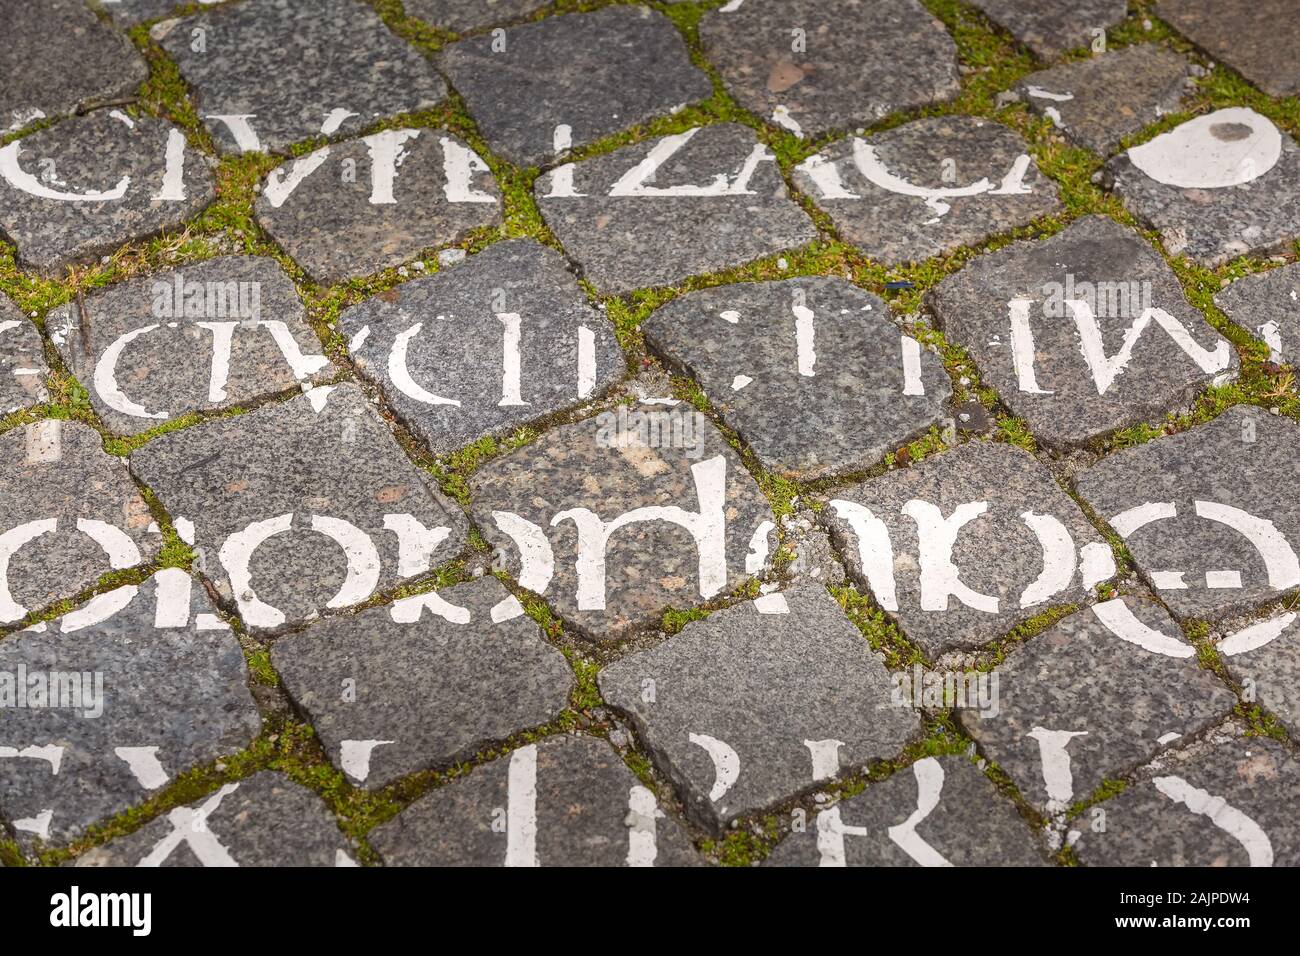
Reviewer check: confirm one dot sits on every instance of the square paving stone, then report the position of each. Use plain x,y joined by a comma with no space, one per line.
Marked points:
270,73
69,514
89,184
1097,102
302,506
41,42
811,372
941,811
1234,806
108,704
22,361
1264,657
1084,333
356,208
504,338
1051,27
199,339
816,699
1211,515
1267,305
966,545
929,187
425,682
813,66
462,16
266,820
1257,38
656,212
1094,697
1221,185
566,801
615,519
538,89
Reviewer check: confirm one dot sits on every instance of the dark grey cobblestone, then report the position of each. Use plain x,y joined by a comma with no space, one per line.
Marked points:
22,361
657,212
302,507
69,513
40,42
565,801
424,682
138,653
94,182
428,344
293,71
265,820
153,349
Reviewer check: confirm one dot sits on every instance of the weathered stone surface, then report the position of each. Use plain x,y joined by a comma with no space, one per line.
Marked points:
567,801
1108,687
266,820
1234,806
301,506
816,699
352,209
1264,657
1098,101
425,682
858,62
567,81
966,823
1211,515
928,187
810,372
58,58
464,15
1257,38
1221,185
504,338
657,212
1051,325
22,361
1267,305
203,338
1020,545
286,72
1050,27
116,179
144,684
130,12
69,514
683,519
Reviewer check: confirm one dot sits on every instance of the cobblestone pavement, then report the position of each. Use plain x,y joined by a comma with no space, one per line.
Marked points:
745,432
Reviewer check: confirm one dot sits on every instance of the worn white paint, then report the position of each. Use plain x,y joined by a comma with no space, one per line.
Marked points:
913,384
1057,776
936,536
521,808
1124,624
929,784
642,812
144,764
726,763
875,550
20,179
354,757
1258,847
1195,156
1256,635
706,526
1058,558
